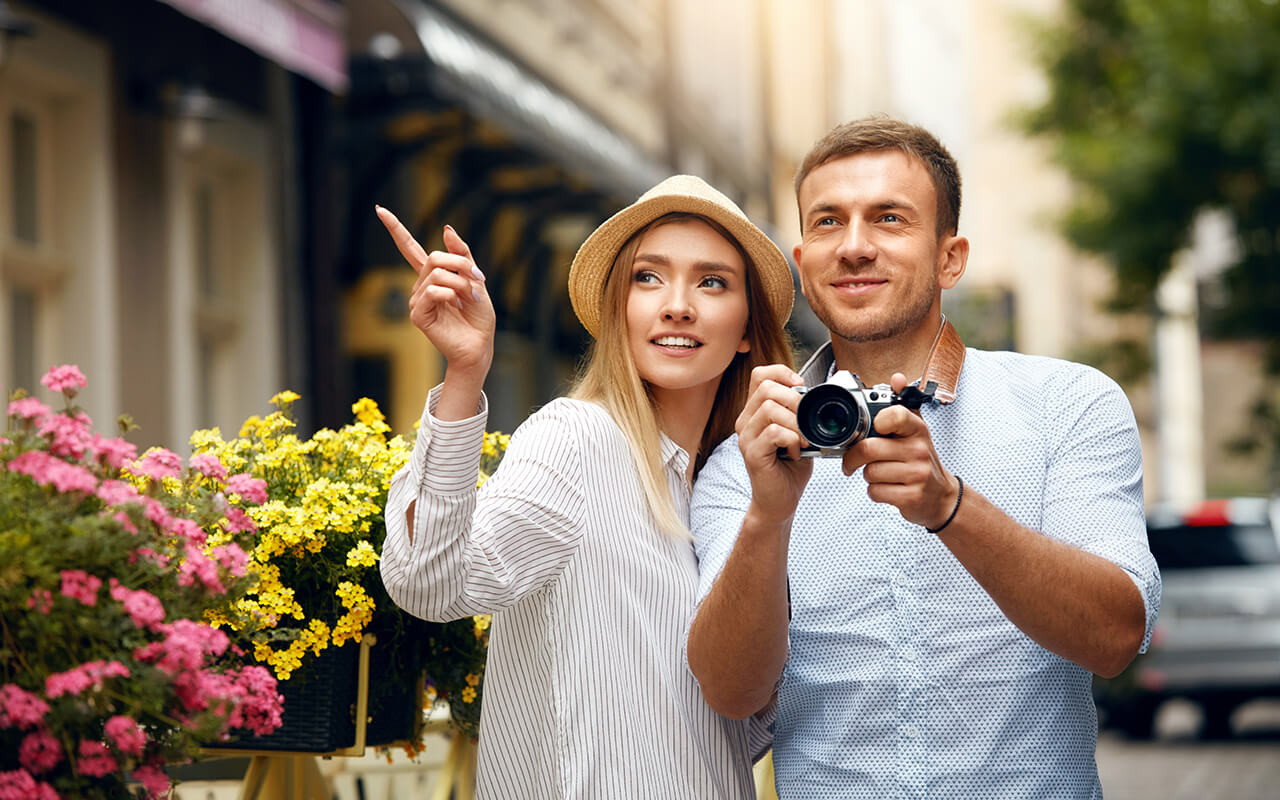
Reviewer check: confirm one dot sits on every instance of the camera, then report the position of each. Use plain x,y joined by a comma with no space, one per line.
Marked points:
836,415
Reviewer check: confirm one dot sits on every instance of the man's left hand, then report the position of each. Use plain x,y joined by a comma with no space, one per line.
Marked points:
902,467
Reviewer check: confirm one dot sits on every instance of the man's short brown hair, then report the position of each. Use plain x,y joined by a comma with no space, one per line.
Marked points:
870,134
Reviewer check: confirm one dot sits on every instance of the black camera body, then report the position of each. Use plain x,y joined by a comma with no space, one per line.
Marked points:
835,415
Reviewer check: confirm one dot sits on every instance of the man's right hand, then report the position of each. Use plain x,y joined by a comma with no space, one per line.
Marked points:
766,425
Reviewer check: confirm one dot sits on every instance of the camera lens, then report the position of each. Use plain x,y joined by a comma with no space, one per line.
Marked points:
831,419
828,416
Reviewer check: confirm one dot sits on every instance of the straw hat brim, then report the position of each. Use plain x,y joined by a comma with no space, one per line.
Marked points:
678,194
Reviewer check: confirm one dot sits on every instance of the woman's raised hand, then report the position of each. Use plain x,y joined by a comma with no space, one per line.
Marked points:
449,303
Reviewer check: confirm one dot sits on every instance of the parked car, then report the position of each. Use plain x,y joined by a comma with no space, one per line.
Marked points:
1217,641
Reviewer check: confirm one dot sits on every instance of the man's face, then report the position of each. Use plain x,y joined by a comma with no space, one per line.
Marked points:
871,263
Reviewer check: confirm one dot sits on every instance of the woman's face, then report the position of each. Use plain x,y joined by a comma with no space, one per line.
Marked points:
686,307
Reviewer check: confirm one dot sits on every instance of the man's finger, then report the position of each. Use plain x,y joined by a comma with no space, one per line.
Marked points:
898,421
405,243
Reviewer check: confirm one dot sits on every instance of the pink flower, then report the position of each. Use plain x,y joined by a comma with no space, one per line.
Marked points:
17,785
46,792
67,379
238,521
41,600
143,608
153,780
158,463
95,759
209,466
232,558
159,559
125,523
184,528
127,736
29,408
69,436
20,709
115,453
184,648
39,752
77,679
262,705
251,489
117,493
44,469
80,585
196,566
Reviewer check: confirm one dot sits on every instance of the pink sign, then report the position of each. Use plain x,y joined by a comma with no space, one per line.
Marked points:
305,36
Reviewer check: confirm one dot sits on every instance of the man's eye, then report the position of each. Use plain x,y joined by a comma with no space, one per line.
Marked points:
891,218
826,221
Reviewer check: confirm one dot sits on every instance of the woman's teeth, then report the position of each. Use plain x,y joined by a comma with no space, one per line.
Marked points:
675,341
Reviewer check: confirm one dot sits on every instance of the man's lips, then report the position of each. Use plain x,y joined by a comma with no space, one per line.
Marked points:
858,286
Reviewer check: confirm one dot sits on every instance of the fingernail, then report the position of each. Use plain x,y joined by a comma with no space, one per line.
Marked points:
449,228
475,295
477,274
376,207
458,303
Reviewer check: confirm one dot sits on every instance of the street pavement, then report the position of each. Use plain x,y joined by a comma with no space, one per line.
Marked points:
1178,766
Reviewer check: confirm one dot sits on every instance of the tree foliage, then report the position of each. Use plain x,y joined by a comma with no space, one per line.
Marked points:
1161,109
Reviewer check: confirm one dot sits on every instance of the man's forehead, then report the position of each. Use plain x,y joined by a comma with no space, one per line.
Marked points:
889,169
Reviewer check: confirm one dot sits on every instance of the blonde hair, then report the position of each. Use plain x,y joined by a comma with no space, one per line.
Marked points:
610,377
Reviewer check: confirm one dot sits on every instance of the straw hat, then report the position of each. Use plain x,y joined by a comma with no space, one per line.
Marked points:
684,194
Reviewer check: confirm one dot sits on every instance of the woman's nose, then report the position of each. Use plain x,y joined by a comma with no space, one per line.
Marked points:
677,305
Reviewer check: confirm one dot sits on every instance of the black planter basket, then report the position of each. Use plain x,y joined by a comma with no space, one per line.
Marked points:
319,706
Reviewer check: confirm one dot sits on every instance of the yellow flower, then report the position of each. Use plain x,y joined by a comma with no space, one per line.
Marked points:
473,679
250,426
284,399
468,694
362,555
482,622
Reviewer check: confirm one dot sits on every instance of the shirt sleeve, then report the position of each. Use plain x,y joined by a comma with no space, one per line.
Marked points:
475,552
721,496
1093,490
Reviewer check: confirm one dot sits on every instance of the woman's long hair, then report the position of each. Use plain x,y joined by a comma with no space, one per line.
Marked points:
610,377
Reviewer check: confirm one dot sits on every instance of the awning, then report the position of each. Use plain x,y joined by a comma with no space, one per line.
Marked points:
466,70
304,36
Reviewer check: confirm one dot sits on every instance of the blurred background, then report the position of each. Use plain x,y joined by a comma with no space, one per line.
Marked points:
187,191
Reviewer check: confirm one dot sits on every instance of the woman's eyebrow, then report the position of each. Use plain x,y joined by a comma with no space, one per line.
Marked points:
665,261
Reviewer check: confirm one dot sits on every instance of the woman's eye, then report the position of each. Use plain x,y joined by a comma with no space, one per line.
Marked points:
646,276
714,282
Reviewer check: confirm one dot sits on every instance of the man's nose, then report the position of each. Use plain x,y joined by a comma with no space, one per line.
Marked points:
857,244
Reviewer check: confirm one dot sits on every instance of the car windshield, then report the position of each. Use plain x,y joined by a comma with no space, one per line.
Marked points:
1194,546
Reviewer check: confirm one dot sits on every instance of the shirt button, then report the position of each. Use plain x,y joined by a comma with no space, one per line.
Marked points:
909,653
911,731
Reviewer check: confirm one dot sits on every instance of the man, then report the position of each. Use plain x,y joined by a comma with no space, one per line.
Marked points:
926,637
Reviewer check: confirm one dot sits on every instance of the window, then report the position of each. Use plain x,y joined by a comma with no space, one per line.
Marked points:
24,194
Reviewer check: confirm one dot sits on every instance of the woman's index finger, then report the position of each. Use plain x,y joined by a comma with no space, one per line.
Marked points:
405,243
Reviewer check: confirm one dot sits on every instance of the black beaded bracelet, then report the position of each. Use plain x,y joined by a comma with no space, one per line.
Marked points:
959,494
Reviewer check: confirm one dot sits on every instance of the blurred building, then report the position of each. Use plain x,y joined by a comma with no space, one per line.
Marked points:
524,125
158,164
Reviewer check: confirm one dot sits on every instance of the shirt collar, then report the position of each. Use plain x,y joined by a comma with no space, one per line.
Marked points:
946,360
672,454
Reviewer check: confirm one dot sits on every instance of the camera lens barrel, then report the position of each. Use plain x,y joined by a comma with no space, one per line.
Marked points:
830,416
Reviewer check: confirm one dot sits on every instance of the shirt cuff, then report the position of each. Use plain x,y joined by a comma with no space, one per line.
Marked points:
447,455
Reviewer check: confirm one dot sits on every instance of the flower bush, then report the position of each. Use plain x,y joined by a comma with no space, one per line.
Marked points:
319,517
108,562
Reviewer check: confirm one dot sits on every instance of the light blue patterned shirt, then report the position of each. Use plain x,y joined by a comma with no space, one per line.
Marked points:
905,680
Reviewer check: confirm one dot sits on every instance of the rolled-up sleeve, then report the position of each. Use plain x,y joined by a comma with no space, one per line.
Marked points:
1093,495
479,551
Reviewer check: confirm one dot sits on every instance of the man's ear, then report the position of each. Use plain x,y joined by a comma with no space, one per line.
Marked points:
795,256
953,255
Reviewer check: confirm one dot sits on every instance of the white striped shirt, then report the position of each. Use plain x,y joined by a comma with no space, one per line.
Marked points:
586,692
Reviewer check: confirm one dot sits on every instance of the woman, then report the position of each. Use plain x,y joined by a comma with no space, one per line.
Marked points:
578,543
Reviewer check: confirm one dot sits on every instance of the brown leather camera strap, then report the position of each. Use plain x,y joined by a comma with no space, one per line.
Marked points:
946,359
